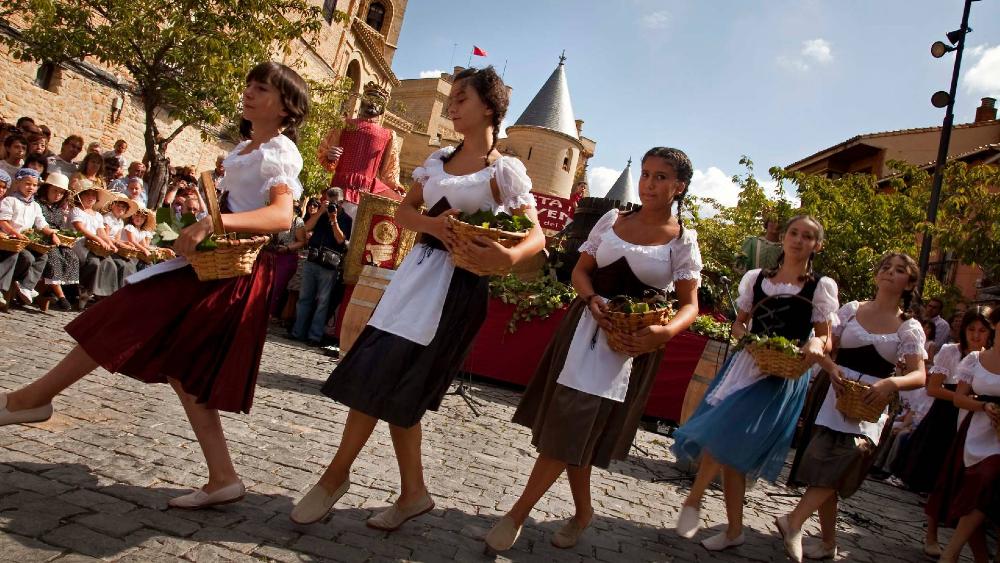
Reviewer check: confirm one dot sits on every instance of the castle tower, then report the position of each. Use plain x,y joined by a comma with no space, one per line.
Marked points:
623,191
546,137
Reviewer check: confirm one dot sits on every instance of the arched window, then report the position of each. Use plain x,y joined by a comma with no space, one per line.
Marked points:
48,76
567,159
376,15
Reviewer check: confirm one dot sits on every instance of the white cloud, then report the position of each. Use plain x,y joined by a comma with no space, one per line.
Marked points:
814,51
716,184
984,76
601,180
817,50
431,73
656,20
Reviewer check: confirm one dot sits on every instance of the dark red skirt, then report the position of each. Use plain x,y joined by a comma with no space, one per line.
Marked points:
209,335
949,481
978,490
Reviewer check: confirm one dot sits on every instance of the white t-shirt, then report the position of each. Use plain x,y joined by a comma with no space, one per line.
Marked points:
22,215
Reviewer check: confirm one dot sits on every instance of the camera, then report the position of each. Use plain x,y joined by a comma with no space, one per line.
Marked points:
332,207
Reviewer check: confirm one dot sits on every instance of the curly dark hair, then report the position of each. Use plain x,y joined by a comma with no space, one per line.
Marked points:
492,91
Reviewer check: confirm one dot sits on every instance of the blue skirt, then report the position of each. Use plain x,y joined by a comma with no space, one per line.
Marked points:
751,430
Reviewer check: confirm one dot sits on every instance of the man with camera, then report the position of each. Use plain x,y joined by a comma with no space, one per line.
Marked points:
326,249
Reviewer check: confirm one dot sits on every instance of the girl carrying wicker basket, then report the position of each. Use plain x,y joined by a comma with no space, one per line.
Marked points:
744,424
869,339
973,489
422,329
585,400
206,338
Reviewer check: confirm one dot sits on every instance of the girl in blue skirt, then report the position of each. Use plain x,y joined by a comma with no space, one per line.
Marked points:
745,423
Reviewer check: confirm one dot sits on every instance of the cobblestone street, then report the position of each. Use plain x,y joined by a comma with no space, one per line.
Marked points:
93,481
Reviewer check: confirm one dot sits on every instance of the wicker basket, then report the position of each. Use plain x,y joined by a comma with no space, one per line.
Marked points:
126,253
65,240
852,405
8,244
623,324
465,231
773,362
39,248
154,256
97,249
234,256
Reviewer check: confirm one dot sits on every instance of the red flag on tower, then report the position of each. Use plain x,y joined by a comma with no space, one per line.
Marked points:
478,52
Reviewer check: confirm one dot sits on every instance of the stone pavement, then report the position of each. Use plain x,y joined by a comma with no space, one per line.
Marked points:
93,481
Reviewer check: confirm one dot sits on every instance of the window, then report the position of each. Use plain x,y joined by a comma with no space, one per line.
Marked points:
529,154
47,76
376,16
567,159
329,7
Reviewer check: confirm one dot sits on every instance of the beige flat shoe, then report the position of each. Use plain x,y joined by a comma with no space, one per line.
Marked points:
814,549
792,540
200,499
568,536
932,549
317,503
23,416
390,519
503,535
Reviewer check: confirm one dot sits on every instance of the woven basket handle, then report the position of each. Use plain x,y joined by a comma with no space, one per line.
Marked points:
212,202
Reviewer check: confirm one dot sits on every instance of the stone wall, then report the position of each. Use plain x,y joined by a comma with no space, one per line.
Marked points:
542,153
77,105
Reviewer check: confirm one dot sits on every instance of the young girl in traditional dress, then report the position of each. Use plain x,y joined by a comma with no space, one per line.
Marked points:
139,231
745,423
975,334
98,274
206,338
62,266
420,333
869,338
584,403
978,486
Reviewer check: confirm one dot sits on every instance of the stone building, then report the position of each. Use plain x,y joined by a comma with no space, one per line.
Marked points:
94,101
546,137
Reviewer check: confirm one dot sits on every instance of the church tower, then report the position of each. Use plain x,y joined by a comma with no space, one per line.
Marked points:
546,137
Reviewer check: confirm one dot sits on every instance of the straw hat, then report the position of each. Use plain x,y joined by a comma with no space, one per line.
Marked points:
150,223
103,195
57,180
133,206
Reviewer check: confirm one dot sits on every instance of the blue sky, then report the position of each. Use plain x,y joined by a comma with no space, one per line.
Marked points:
775,80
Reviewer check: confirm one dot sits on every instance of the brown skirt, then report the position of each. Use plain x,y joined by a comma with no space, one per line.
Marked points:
979,489
578,428
949,481
835,460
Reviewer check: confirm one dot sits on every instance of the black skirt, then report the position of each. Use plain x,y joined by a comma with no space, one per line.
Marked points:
927,448
397,380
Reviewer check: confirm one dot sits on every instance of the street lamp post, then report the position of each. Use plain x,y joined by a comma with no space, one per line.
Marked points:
942,99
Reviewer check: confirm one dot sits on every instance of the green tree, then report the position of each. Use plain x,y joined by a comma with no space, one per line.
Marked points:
325,113
188,57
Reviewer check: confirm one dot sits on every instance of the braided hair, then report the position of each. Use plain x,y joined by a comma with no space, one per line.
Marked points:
810,275
493,92
683,169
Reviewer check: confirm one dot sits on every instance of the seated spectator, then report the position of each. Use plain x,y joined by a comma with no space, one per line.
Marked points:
62,268
135,170
63,163
6,129
38,145
20,272
38,163
47,133
135,191
92,169
98,275
15,149
118,153
94,148
112,170
4,182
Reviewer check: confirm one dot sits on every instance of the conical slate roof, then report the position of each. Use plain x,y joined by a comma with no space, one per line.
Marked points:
551,107
622,190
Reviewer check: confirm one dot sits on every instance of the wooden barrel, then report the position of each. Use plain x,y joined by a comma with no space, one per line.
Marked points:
366,295
712,358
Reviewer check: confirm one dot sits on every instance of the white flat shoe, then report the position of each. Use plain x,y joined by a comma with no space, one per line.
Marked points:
390,519
814,549
23,416
317,503
200,499
719,541
688,522
792,540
